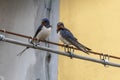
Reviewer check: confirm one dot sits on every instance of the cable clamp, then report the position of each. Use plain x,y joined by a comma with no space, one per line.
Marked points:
2,37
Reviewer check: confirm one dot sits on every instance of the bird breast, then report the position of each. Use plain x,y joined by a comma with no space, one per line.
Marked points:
63,39
44,33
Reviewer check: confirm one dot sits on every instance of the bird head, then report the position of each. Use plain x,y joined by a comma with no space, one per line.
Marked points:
45,22
60,25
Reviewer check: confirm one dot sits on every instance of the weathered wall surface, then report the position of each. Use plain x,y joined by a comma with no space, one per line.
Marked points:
24,16
96,24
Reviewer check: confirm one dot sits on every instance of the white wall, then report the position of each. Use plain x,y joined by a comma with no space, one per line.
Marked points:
23,16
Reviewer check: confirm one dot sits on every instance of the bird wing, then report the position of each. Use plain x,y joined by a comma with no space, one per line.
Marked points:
38,30
67,35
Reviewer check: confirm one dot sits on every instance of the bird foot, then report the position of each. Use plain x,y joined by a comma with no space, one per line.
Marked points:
36,44
71,55
68,48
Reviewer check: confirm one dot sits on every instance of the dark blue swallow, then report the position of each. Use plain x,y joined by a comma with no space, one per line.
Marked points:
42,33
68,38
43,30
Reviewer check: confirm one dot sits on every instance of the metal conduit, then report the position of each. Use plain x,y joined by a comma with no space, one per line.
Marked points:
17,42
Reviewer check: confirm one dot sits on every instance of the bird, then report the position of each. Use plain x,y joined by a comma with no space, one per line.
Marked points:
43,30
42,33
66,36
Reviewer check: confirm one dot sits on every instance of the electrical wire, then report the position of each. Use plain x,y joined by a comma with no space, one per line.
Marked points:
29,37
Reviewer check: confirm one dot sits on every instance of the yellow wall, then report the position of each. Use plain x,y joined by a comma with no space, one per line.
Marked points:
96,23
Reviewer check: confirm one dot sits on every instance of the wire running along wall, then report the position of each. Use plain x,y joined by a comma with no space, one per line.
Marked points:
104,58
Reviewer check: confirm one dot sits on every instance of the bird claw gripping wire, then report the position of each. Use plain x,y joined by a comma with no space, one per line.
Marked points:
69,50
105,58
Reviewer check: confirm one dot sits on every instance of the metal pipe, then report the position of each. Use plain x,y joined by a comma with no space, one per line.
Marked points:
17,42
29,37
